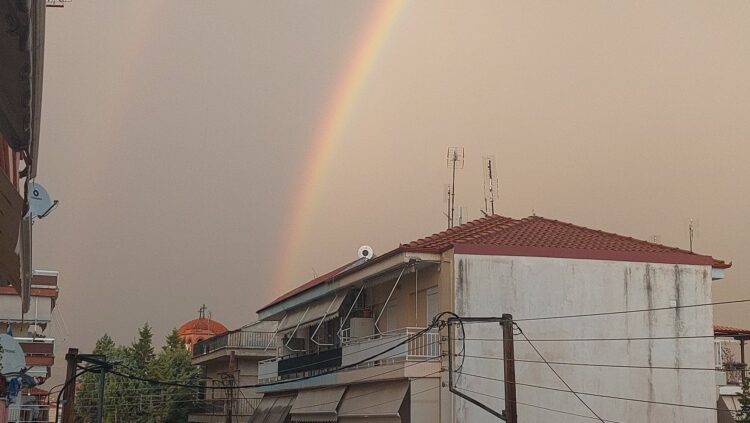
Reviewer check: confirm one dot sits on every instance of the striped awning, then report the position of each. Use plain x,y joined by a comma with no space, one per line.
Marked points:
374,402
317,405
272,409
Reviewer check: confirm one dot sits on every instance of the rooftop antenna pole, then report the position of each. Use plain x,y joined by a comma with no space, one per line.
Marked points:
490,185
455,161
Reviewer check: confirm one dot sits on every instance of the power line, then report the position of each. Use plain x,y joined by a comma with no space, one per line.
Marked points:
538,406
642,310
700,407
626,366
557,374
348,366
638,338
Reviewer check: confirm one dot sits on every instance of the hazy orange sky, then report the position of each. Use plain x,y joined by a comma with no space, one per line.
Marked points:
175,133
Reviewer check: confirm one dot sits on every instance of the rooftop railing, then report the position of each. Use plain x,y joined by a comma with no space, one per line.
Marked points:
235,339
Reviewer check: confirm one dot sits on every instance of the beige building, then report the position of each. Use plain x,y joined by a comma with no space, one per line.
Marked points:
351,345
231,359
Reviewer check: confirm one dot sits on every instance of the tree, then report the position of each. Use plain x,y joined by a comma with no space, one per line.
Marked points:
130,400
743,414
142,349
174,364
174,341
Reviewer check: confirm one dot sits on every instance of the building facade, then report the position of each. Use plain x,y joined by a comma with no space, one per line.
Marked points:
354,344
33,331
231,359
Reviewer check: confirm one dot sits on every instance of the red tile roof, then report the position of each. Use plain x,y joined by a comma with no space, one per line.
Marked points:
537,236
534,237
729,331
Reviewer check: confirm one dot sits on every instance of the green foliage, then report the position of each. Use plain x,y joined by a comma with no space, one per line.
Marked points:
128,400
174,341
743,415
142,349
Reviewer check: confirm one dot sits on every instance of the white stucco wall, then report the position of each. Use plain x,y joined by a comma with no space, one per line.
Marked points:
531,287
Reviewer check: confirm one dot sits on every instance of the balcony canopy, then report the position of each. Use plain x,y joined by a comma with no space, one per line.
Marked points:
317,405
374,402
311,314
273,409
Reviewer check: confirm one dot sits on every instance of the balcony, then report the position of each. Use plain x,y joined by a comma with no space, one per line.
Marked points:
419,348
215,410
253,342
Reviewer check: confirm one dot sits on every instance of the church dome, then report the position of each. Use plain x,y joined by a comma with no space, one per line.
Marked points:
200,329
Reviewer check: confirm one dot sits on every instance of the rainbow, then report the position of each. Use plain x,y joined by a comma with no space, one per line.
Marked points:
328,135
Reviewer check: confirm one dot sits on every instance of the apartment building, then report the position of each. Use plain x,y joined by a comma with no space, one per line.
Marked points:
33,331
341,339
231,359
22,58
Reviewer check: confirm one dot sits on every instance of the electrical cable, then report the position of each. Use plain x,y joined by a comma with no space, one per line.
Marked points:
625,366
538,406
348,366
639,338
590,394
557,374
643,310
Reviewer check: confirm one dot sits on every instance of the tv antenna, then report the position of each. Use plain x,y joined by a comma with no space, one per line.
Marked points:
491,188
455,160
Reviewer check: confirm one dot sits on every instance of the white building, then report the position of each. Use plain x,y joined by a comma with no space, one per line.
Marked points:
626,366
33,331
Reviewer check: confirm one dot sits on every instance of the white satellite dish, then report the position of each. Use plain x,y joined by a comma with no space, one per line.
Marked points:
40,202
365,252
12,359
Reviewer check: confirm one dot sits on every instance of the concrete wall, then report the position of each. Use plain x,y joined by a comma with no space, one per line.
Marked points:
532,287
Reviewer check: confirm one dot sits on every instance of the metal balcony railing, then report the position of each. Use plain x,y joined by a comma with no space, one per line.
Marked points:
220,406
409,345
420,347
235,339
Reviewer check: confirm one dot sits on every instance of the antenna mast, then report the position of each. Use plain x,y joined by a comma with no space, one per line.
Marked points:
455,161
491,190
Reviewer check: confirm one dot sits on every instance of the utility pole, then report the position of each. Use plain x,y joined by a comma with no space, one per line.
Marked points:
69,397
100,404
229,408
509,371
451,387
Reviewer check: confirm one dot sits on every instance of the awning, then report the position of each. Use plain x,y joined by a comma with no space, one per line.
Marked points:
272,409
307,315
373,402
317,405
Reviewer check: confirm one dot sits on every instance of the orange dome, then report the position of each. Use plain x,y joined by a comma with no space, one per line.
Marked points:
202,326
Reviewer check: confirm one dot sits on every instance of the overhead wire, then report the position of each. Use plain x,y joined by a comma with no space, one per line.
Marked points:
626,366
595,394
539,406
434,323
642,310
637,338
557,374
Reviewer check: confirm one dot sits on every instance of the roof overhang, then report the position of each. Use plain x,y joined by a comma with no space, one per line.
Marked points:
371,272
571,253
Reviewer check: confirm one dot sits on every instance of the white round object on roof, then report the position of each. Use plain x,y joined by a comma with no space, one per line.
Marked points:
365,252
12,358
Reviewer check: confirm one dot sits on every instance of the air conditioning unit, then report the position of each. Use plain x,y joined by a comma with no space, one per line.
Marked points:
361,327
